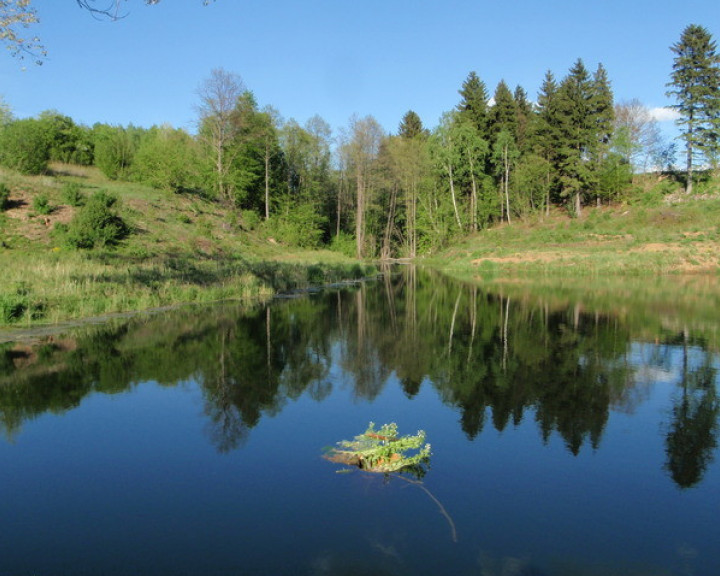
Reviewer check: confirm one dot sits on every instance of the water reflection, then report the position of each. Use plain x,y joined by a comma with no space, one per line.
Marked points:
498,357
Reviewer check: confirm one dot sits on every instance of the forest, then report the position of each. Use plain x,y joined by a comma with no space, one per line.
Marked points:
365,192
494,158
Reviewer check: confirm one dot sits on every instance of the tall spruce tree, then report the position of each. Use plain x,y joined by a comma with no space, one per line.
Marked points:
695,85
503,114
474,103
577,134
544,134
411,126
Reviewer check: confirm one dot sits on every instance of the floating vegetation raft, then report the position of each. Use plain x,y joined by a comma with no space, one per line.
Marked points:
383,451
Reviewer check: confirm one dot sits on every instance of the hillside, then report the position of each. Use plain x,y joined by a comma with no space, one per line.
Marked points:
182,248
655,234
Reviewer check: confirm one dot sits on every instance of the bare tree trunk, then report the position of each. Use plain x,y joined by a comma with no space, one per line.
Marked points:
507,182
338,216
360,214
267,182
452,193
689,183
385,253
473,196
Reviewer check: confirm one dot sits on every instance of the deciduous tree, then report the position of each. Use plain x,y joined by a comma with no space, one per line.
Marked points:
218,124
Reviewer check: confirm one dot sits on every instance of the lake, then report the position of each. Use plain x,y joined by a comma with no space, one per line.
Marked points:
569,436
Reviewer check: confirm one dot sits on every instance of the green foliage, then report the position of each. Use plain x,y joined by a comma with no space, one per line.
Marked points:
167,159
473,105
411,126
18,304
97,224
72,194
299,225
250,219
41,204
695,84
115,148
68,142
614,177
383,451
344,244
24,146
4,195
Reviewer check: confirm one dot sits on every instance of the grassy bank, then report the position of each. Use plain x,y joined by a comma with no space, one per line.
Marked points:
182,248
669,235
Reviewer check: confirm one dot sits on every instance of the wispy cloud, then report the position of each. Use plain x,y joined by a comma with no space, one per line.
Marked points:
663,114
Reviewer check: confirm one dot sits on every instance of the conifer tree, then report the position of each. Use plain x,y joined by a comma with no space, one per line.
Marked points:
603,109
503,114
577,133
474,103
695,85
544,132
523,113
411,126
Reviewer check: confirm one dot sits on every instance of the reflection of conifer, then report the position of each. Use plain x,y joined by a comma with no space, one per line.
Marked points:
692,437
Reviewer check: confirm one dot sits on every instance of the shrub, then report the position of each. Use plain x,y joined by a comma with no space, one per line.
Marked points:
4,196
97,224
344,244
300,225
72,194
250,219
24,146
41,204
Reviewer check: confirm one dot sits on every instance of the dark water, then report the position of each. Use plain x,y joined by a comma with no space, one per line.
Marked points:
566,440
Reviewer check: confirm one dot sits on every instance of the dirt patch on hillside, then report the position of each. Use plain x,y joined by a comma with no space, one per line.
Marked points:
36,227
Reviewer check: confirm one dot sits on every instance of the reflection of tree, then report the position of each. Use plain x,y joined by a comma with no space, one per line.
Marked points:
494,358
692,437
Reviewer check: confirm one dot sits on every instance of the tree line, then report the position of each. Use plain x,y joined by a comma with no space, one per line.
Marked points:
491,159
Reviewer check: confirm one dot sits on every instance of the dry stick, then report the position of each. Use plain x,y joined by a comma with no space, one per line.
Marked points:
439,504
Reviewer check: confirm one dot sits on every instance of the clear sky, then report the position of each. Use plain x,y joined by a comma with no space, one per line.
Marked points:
337,58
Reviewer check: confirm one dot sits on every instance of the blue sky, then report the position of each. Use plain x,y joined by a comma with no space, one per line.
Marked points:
337,58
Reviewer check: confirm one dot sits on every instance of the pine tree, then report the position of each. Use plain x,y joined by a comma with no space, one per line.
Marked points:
411,126
503,114
544,135
695,85
602,117
523,113
474,103
577,134
603,108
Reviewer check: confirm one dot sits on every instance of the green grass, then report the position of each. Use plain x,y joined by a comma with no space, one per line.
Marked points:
182,249
672,238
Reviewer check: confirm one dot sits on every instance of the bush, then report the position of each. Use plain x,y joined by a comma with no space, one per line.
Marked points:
4,196
97,224
344,244
300,226
250,219
41,204
72,195
24,146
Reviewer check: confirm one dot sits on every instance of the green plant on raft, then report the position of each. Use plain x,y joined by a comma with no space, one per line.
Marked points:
384,451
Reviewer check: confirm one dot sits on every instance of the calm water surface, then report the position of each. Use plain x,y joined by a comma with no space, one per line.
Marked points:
566,440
